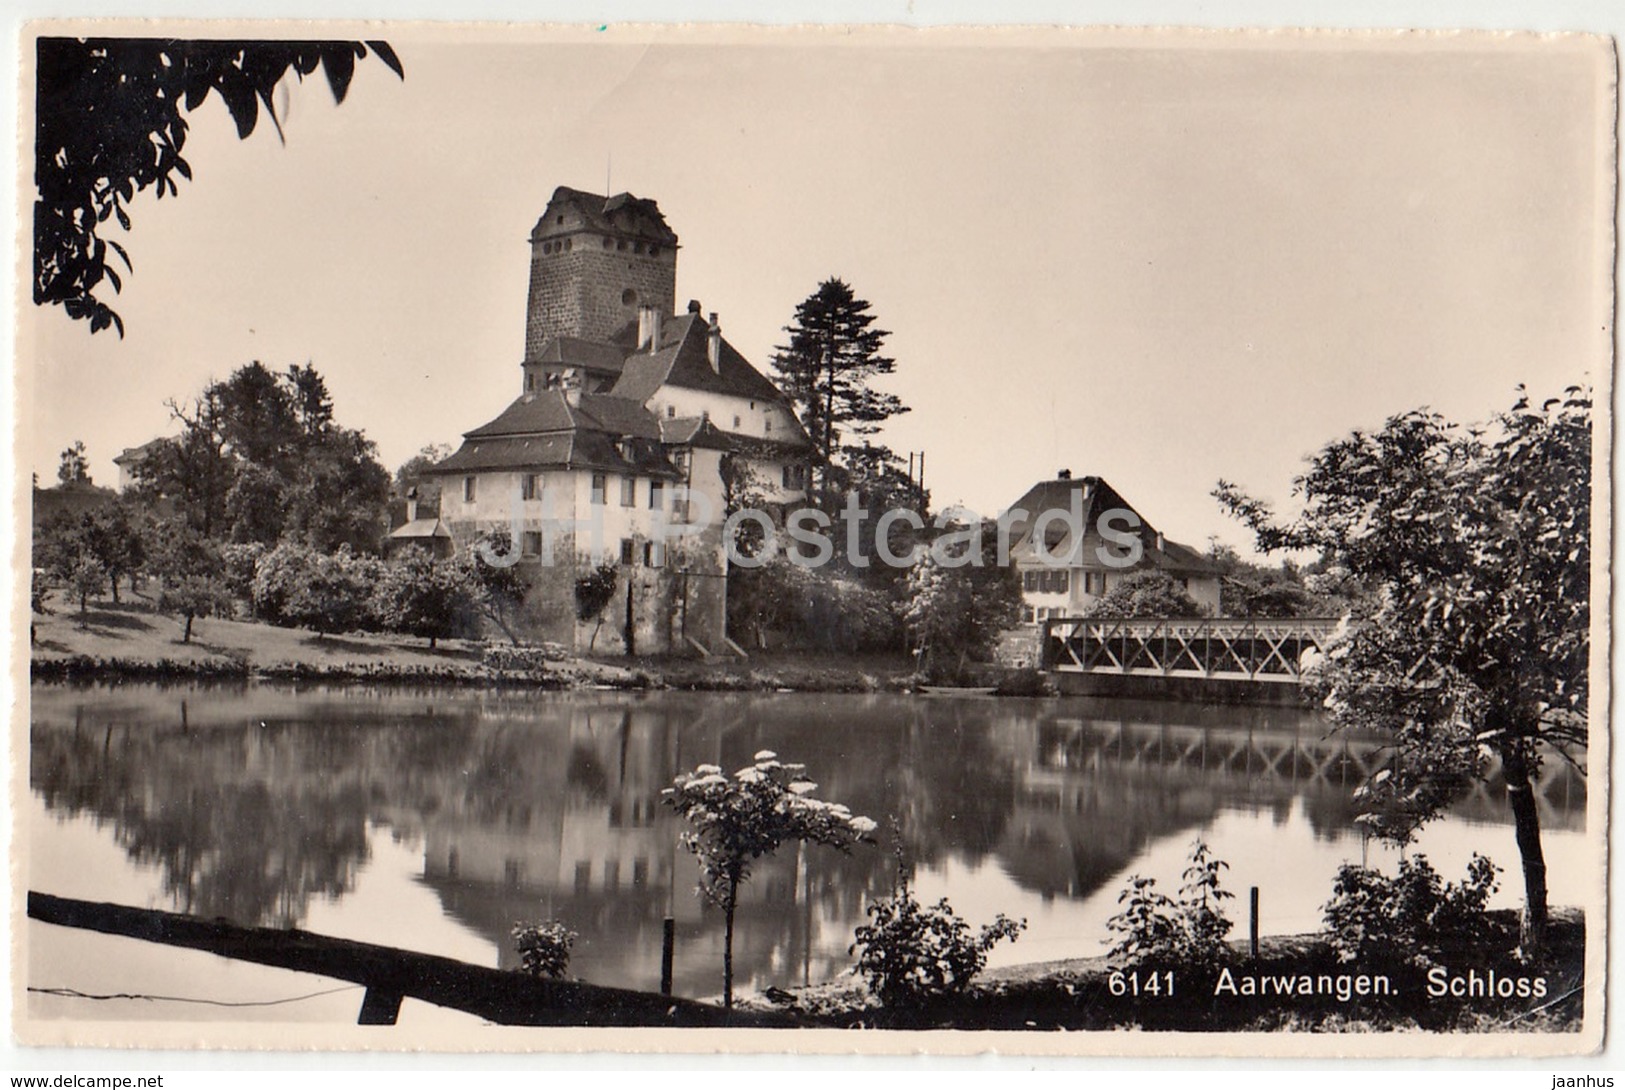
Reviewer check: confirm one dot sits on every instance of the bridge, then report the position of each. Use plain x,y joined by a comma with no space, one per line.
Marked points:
1262,651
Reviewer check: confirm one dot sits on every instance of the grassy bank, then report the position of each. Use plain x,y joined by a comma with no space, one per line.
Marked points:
1078,995
132,641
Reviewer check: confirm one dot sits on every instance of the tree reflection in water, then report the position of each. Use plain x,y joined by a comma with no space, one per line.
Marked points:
252,803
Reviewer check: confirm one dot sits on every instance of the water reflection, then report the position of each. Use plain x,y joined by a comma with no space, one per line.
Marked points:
252,802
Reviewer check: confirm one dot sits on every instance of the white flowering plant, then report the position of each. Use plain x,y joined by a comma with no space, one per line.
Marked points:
735,820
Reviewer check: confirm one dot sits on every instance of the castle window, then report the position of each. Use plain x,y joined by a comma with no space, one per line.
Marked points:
530,382
612,873
608,242
599,484
767,426
1027,614
530,543
566,244
621,245
736,421
654,554
628,297
468,489
561,219
637,247
584,878
629,491
657,494
671,411
640,873
654,251
628,552
528,486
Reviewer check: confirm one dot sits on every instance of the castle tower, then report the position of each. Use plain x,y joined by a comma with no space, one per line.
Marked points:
593,262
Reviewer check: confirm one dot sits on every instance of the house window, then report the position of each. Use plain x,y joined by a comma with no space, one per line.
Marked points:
628,554
530,543
767,426
510,873
679,505
671,412
1063,581
612,873
657,495
529,486
1027,614
599,483
790,477
736,421
654,554
468,489
640,873
584,877
629,491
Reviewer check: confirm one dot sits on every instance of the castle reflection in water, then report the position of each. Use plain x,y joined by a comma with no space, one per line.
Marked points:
252,801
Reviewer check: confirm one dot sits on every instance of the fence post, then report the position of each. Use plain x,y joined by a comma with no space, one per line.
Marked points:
668,943
1252,922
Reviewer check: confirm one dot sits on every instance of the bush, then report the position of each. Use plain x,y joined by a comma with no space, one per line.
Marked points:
297,587
1414,918
544,948
1189,931
913,953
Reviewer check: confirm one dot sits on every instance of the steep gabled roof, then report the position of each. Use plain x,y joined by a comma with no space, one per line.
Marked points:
622,214
1097,498
682,360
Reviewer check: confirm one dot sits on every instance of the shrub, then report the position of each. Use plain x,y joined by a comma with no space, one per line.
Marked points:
1413,918
914,953
544,948
1025,681
1189,931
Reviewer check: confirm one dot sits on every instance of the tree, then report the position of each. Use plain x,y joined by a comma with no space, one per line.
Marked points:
735,821
74,468
1146,594
420,596
594,591
499,590
411,475
1475,547
834,352
958,609
191,571
115,537
110,122
260,458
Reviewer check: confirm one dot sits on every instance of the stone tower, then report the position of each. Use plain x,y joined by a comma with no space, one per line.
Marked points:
594,261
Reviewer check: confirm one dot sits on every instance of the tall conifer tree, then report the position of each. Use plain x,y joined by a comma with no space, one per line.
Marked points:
834,351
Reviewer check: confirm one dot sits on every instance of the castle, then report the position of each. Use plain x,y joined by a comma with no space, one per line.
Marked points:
635,429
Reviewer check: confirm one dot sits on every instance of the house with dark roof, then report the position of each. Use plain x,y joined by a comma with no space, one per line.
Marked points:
1094,539
634,428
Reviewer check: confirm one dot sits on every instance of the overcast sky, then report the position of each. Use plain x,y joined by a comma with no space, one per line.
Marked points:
1158,261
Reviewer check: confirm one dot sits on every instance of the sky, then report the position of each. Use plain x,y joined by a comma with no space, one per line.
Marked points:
1163,261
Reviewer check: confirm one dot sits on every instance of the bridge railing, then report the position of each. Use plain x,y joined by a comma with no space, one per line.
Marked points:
1271,650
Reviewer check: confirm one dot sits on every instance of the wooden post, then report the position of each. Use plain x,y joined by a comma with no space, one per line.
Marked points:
1252,922
668,944
379,1008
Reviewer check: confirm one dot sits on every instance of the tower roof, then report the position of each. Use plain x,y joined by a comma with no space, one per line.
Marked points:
572,210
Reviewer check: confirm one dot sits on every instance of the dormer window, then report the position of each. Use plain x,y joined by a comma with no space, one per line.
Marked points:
671,412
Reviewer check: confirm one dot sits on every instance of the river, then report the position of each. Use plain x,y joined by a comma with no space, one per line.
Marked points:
434,820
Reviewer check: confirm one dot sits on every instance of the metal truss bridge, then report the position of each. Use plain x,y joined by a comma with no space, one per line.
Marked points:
1266,650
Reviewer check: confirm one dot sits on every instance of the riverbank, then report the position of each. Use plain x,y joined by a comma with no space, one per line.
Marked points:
1080,995
130,641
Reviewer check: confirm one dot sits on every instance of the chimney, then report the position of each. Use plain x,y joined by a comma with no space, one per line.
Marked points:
713,344
693,306
656,318
412,504
1162,543
645,325
1064,475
